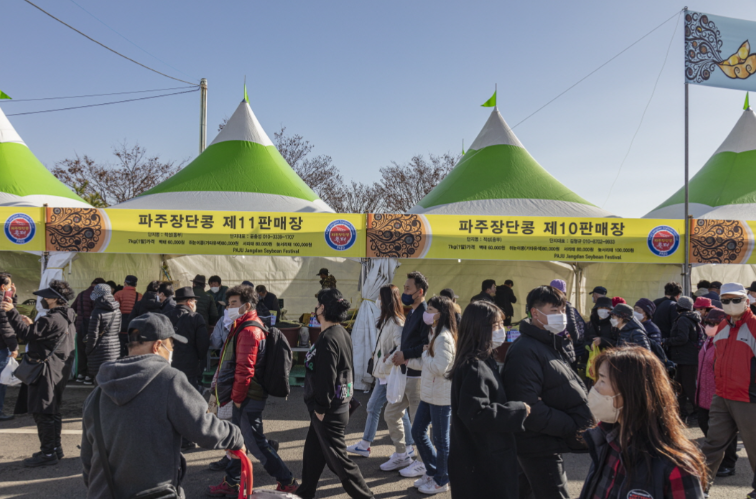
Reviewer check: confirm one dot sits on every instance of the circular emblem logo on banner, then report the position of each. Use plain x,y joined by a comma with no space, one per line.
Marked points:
663,240
340,235
20,228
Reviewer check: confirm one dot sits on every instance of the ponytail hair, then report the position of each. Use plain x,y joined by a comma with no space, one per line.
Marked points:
335,306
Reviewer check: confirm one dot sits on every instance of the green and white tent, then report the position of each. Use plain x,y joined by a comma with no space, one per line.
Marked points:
240,170
24,180
498,176
725,188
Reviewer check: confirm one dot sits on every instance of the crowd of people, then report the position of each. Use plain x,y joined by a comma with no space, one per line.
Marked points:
620,386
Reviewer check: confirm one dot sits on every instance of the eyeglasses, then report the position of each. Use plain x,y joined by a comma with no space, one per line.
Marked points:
727,301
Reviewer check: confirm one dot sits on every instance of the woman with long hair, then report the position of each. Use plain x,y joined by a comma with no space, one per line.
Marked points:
389,339
639,447
483,452
435,395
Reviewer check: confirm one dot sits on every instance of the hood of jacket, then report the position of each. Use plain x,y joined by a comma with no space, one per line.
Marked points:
66,312
124,379
633,324
107,303
691,315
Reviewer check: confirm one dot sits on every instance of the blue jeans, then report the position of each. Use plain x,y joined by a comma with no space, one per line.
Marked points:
4,356
249,419
374,407
435,459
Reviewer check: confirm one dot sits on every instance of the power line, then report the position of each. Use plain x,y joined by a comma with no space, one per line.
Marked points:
104,103
594,71
108,48
98,95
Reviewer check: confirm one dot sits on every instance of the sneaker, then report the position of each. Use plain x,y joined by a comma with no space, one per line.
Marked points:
432,488
422,481
723,472
355,449
80,378
41,460
396,462
415,469
219,465
87,380
291,488
6,417
225,489
411,450
58,452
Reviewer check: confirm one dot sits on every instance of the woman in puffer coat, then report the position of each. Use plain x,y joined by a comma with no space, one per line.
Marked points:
104,324
435,395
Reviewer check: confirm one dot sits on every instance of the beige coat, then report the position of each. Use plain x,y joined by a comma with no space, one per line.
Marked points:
389,338
435,389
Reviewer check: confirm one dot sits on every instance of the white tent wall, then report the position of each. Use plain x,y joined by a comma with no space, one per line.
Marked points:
292,278
744,274
113,267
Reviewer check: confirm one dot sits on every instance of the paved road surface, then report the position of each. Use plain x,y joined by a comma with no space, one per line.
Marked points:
286,421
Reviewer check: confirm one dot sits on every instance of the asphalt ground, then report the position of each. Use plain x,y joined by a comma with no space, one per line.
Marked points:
286,421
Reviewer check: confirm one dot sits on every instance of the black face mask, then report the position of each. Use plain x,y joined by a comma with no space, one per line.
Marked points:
45,305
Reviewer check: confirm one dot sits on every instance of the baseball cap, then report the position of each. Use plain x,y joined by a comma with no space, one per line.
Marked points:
600,290
732,288
131,280
322,271
153,327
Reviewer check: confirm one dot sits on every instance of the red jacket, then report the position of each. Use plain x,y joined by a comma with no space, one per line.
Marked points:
250,358
127,297
735,359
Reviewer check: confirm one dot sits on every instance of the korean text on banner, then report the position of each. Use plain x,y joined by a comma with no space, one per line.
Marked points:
188,232
718,52
24,229
615,240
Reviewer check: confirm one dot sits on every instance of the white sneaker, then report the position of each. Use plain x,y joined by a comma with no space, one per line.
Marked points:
422,481
431,488
411,450
355,449
87,380
79,378
415,469
396,462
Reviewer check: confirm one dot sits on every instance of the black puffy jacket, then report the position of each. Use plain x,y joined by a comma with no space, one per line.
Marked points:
600,328
188,358
665,315
683,339
537,371
102,338
148,303
633,334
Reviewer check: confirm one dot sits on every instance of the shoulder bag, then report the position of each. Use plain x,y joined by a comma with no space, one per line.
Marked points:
30,370
166,491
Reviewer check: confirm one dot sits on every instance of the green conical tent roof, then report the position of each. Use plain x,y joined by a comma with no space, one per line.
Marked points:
725,188
498,176
24,181
240,170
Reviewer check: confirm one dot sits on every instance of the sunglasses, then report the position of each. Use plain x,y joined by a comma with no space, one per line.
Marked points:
727,301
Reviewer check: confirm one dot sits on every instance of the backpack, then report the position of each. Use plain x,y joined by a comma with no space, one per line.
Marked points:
274,375
658,350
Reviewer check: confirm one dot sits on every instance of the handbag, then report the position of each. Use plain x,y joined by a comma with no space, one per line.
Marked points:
31,370
396,383
6,377
166,491
371,362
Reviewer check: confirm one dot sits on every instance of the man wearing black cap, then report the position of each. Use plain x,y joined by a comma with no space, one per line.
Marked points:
504,299
713,294
598,292
326,281
206,306
143,407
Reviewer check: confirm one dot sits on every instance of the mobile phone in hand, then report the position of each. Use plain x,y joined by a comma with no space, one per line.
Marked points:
8,296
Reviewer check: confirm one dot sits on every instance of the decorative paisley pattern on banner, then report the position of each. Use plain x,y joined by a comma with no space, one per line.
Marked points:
396,236
703,47
720,241
75,229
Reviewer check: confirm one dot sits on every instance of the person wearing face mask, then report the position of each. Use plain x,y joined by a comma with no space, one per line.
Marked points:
51,339
435,396
483,451
752,295
165,296
537,371
104,324
683,350
638,448
733,407
189,324
145,407
8,341
217,292
599,329
644,311
706,386
204,302
631,331
575,326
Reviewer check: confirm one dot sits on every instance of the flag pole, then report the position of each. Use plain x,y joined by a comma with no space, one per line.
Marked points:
686,267
496,93
203,114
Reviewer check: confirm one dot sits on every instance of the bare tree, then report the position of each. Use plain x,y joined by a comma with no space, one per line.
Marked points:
132,174
359,198
402,186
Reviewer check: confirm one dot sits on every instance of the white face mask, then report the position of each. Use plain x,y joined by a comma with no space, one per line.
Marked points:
192,306
555,323
170,354
602,407
215,289
639,316
602,313
498,337
614,321
735,309
230,315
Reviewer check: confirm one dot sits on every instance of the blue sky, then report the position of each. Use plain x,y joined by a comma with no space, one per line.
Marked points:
372,82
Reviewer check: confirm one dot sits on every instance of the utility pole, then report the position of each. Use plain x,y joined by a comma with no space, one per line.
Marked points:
203,114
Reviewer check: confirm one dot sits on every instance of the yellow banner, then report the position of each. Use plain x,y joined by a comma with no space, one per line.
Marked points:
616,240
23,228
205,232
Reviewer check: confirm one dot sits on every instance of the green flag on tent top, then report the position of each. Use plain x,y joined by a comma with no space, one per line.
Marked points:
490,102
3,95
246,97
463,147
746,106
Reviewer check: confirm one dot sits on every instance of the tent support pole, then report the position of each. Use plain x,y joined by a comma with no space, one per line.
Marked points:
203,114
686,266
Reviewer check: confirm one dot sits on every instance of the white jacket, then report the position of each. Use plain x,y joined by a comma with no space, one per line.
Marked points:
389,338
435,389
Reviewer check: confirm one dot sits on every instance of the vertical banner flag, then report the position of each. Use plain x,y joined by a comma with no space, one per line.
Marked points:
718,51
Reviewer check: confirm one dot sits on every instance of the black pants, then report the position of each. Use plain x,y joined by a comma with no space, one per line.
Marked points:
123,339
325,445
731,453
81,364
686,377
542,477
49,427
